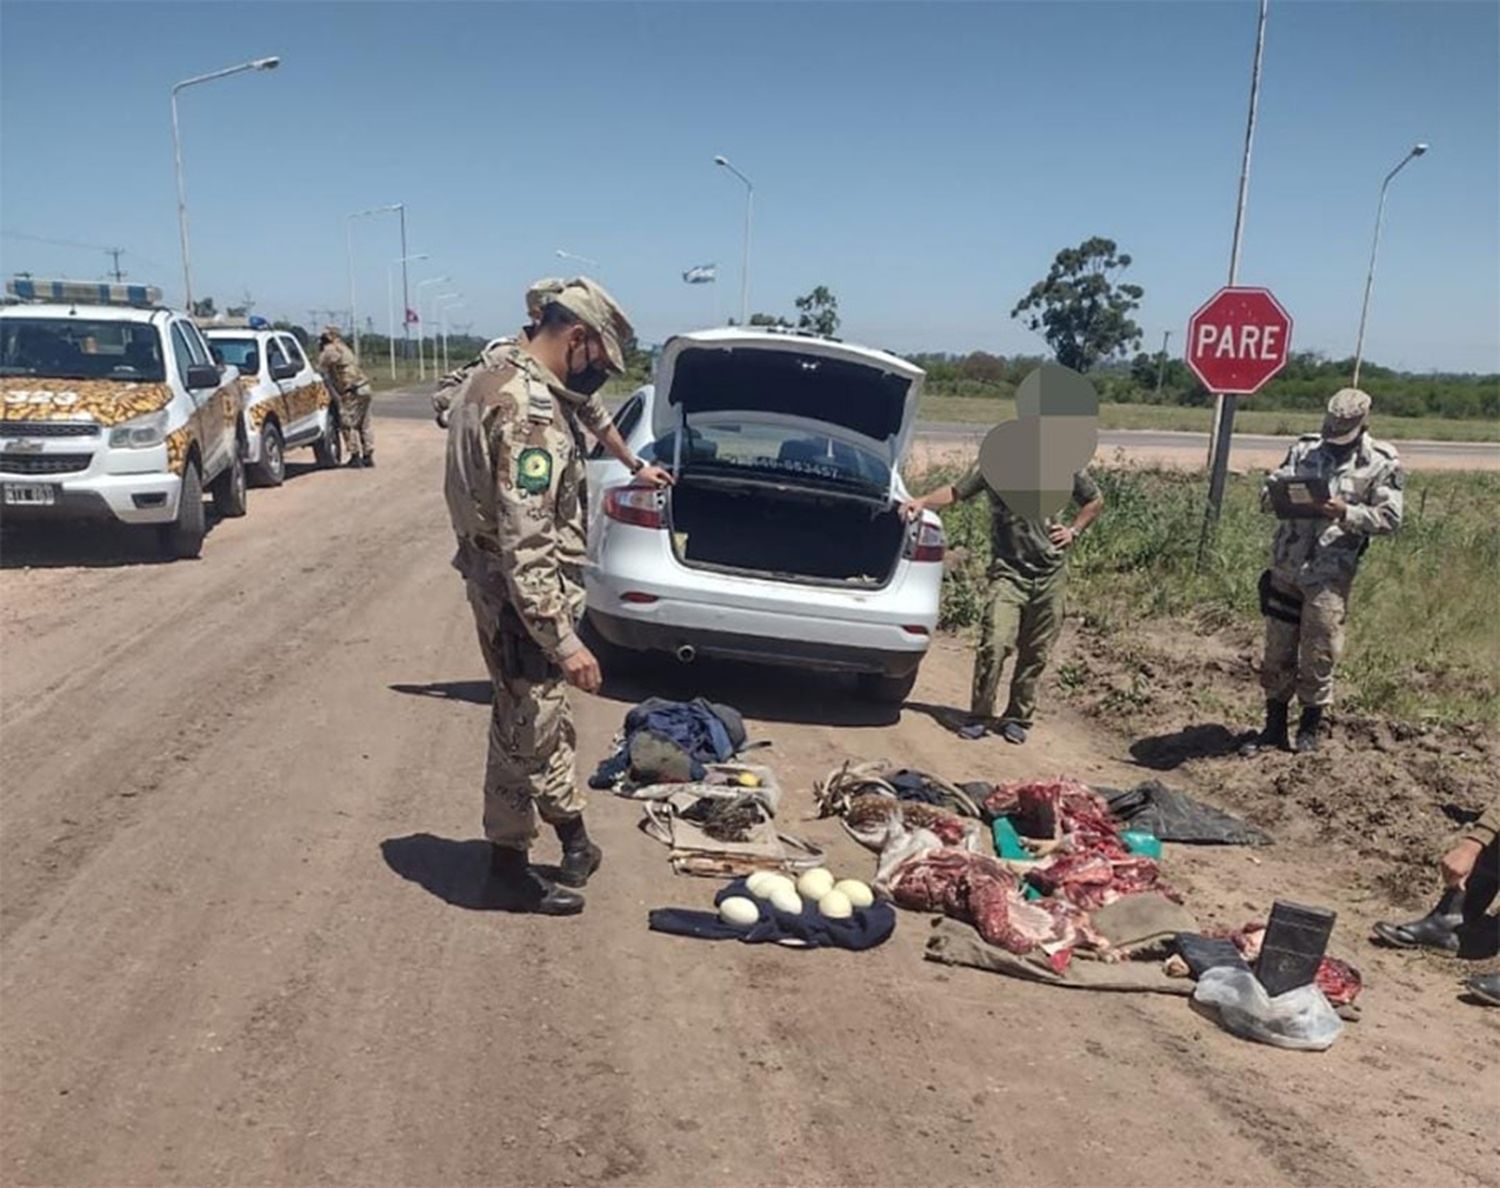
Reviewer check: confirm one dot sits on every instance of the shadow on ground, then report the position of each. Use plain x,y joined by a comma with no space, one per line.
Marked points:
457,872
60,545
473,692
1167,752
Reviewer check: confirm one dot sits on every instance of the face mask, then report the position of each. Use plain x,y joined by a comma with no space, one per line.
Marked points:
588,379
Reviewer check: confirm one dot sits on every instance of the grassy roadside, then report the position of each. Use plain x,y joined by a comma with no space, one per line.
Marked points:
1422,644
984,410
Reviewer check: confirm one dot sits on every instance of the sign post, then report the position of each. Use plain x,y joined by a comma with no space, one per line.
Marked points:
1237,341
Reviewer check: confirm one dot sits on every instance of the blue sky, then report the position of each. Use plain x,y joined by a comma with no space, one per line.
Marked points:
925,161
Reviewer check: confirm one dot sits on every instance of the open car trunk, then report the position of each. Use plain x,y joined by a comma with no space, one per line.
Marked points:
767,529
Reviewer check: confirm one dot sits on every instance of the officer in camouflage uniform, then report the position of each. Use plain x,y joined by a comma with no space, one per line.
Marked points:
1305,593
352,387
538,295
1023,608
515,493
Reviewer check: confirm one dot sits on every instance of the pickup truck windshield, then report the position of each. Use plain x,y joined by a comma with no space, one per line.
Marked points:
775,451
77,348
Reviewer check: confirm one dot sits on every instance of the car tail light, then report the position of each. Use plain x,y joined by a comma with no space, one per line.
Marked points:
638,506
915,629
638,598
926,542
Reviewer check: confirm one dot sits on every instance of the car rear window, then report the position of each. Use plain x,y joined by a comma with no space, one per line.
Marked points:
243,353
80,348
776,451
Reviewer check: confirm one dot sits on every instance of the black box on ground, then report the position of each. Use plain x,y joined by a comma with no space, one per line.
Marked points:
1295,941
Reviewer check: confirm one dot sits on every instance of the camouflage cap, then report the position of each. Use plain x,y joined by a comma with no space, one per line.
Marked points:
541,293
1348,411
597,310
332,331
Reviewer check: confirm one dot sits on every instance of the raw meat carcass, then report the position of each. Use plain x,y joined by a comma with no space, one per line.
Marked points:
867,817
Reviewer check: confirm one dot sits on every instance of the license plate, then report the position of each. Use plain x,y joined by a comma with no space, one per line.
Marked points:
30,494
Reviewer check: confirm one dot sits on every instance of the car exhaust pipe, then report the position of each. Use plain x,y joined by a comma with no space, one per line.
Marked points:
687,653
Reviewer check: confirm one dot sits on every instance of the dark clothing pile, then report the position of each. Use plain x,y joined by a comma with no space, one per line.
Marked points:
809,928
670,742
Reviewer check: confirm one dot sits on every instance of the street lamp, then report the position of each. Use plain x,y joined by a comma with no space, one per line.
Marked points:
393,208
1359,346
562,255
442,307
745,259
390,300
421,325
182,221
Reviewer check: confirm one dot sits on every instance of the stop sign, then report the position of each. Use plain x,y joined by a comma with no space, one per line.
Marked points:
1238,339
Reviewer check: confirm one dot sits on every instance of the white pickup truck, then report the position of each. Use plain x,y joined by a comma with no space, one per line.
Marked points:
113,408
287,404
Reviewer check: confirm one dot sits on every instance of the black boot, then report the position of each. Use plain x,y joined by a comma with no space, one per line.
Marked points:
516,887
1307,729
1273,734
581,857
1438,929
356,462
370,460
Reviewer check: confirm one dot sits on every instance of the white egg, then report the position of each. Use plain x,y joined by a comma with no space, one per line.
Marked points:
814,884
784,898
738,910
756,883
836,906
859,893
771,882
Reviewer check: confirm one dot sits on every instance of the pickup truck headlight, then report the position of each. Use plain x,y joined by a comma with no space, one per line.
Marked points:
141,433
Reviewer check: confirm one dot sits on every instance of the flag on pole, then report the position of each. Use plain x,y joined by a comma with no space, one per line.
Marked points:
411,317
703,274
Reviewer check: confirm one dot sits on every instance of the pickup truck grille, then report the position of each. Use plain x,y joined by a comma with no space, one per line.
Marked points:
48,429
43,463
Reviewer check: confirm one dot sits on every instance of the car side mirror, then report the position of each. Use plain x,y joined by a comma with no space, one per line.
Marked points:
202,375
282,371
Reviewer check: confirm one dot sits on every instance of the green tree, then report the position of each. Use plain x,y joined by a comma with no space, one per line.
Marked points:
1080,309
818,311
204,308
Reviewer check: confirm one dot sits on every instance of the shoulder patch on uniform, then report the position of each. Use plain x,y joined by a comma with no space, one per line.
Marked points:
538,400
534,471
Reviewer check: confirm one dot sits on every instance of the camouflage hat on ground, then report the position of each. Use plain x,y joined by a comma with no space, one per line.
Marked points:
1348,411
597,310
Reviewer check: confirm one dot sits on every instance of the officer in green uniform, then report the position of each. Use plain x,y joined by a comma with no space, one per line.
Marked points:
1023,608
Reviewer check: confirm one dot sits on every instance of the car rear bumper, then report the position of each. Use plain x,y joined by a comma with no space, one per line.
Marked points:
689,641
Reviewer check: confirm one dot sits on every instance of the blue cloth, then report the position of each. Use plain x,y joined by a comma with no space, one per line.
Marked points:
705,733
865,929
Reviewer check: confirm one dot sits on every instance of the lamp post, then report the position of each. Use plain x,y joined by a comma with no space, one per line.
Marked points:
349,247
745,257
562,255
443,309
182,219
1359,346
421,325
390,300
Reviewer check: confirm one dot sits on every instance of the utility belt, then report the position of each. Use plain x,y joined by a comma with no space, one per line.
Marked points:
1282,605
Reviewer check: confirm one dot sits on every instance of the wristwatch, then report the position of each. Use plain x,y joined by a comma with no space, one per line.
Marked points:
635,467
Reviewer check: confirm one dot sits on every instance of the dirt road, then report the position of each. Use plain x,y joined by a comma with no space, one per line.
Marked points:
242,937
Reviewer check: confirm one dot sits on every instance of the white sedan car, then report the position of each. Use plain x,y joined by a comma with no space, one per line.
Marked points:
782,541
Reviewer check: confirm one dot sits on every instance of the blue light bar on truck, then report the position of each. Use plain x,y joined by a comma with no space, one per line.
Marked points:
66,292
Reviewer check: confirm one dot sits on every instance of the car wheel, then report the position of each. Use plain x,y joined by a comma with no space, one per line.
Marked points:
231,488
271,470
329,449
887,690
183,538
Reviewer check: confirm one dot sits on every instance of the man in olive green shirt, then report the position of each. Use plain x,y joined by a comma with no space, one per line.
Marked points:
1023,608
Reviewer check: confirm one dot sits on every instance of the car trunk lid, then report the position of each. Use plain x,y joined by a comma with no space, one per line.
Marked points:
865,394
